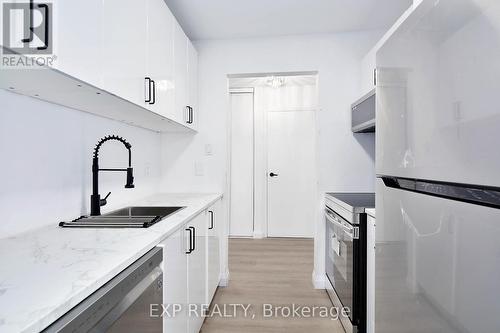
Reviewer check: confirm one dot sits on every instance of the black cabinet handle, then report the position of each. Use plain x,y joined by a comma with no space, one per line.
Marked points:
147,91
46,27
190,250
31,28
189,111
153,101
375,77
190,240
272,174
194,238
211,226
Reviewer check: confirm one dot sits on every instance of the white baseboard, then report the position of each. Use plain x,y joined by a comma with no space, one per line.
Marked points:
224,279
258,235
318,280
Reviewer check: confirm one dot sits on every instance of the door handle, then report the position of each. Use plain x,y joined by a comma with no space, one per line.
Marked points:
272,174
211,220
46,27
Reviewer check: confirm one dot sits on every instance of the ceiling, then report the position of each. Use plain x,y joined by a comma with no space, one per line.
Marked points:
225,19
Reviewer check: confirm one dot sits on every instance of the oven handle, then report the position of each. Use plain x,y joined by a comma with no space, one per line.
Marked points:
350,231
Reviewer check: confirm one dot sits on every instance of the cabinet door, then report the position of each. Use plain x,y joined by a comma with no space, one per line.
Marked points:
175,281
78,35
180,73
197,272
214,228
160,61
193,82
124,48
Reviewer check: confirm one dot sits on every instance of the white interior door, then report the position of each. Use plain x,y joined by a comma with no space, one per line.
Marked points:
292,191
242,143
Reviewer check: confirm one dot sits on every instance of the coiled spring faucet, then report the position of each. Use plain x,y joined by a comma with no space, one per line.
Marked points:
95,199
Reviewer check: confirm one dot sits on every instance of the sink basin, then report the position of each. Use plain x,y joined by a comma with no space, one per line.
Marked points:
128,217
144,211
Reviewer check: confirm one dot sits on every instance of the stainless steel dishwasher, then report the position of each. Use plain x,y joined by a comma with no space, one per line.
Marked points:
123,304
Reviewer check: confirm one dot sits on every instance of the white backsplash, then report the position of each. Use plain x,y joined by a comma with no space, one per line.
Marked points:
46,157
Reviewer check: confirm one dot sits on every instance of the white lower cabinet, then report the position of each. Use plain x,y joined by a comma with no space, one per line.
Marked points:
197,272
175,282
192,258
214,218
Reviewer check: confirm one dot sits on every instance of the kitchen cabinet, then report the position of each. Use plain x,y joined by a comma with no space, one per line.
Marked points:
124,50
214,238
175,287
185,77
78,27
192,266
160,59
192,76
180,74
197,264
103,52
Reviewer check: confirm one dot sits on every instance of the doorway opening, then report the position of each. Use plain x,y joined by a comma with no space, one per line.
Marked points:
272,171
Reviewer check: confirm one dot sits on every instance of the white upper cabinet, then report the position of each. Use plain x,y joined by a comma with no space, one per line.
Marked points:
180,74
78,27
124,48
126,60
192,76
160,59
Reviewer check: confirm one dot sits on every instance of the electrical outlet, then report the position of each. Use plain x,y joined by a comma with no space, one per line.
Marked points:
147,169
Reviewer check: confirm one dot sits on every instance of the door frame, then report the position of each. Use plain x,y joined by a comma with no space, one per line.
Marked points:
261,227
229,137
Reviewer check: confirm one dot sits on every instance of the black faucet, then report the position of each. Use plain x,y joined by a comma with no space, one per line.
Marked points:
95,199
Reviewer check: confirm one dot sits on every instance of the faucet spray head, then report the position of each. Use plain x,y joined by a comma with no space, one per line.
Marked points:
130,178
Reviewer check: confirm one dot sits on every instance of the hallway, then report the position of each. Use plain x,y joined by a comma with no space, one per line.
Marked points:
275,271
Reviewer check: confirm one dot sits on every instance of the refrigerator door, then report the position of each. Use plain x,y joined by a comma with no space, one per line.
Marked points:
437,88
437,264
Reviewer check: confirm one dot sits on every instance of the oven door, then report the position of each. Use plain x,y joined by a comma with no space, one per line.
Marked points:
341,242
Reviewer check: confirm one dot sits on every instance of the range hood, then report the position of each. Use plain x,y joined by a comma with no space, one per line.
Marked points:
363,114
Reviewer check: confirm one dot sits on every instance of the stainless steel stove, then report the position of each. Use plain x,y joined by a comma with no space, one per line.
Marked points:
345,218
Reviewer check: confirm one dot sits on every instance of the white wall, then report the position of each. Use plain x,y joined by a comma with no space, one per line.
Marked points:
46,157
346,161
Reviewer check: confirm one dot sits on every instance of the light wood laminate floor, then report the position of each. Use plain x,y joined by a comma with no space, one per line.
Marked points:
270,271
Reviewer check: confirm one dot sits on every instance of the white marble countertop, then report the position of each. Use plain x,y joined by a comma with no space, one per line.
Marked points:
370,211
47,271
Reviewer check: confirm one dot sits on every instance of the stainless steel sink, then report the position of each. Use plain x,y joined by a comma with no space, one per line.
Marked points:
128,217
144,211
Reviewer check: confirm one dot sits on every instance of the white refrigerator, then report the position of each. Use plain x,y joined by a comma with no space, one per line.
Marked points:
438,167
